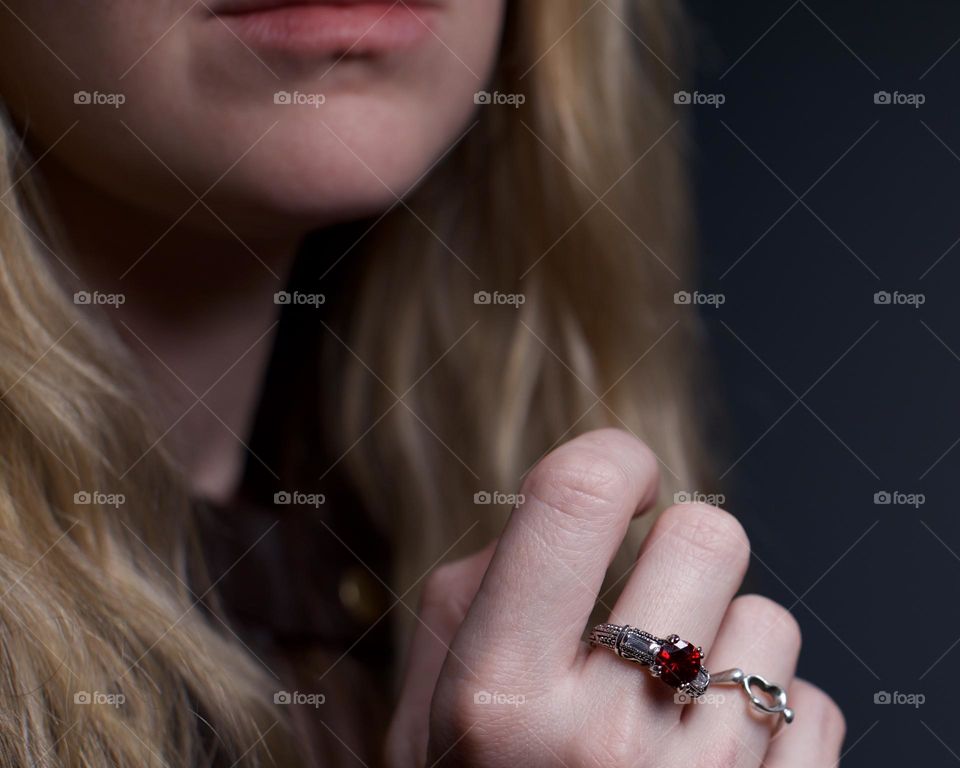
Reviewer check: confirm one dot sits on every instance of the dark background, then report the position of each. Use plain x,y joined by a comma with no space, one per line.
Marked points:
830,397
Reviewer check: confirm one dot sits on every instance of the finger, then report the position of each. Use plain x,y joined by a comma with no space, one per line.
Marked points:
760,637
815,738
542,584
444,601
688,570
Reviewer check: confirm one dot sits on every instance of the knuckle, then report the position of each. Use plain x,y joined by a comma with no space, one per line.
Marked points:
453,584
833,724
463,715
619,441
435,586
833,720
710,535
441,598
596,474
578,484
769,619
465,702
613,748
453,708
726,753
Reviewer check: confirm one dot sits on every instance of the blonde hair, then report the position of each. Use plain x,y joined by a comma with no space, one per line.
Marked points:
106,601
95,563
599,339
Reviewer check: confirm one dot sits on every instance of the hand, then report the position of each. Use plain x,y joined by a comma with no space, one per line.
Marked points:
519,686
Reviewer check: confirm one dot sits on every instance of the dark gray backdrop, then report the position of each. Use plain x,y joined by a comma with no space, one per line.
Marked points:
833,398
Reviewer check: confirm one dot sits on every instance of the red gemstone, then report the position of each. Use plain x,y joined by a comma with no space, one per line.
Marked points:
679,663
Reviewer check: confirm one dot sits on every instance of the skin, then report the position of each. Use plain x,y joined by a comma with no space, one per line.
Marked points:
200,116
200,120
200,98
513,617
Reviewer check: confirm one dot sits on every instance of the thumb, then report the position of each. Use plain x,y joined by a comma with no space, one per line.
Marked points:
447,595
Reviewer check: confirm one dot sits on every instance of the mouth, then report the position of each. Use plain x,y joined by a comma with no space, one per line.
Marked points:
329,27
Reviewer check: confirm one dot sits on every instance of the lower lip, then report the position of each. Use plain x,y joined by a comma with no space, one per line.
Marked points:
329,30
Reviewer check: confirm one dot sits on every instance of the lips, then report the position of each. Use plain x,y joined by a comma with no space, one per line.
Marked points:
229,7
237,7
337,27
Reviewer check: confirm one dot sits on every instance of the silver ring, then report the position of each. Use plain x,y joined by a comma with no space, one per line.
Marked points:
679,664
778,696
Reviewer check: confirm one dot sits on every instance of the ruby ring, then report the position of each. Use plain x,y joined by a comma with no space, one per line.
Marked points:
679,664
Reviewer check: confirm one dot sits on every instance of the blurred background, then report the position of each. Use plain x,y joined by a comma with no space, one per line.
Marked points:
826,184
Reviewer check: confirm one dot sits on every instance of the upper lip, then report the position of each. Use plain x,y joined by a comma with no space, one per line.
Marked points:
232,7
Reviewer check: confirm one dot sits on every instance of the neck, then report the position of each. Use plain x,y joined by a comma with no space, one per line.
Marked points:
197,311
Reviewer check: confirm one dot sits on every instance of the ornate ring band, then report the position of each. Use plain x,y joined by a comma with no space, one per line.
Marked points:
679,664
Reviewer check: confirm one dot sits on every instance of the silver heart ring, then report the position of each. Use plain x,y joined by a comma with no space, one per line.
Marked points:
776,704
